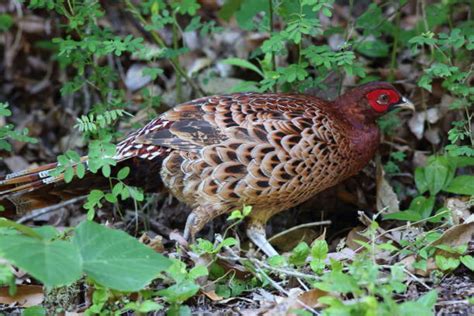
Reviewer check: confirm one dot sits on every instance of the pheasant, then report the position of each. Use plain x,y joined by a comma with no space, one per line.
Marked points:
216,154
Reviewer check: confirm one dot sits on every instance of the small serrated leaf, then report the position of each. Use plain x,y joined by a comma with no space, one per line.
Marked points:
123,173
80,171
111,198
68,174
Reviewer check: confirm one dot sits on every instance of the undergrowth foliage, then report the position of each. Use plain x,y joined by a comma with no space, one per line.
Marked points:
294,57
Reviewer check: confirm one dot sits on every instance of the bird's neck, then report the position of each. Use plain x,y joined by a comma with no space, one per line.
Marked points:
361,128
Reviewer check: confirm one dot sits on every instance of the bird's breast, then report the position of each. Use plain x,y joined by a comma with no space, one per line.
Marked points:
277,171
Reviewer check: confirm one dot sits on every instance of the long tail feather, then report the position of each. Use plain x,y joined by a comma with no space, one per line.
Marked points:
30,175
34,188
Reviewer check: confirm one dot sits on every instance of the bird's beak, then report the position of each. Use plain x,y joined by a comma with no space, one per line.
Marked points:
405,104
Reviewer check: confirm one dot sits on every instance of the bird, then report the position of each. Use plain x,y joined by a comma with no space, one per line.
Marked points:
219,153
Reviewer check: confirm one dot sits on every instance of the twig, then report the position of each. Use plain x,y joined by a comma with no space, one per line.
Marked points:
158,227
417,279
48,209
320,223
452,302
279,288
285,271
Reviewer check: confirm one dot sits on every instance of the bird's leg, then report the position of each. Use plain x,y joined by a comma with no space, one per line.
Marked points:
189,224
256,233
199,217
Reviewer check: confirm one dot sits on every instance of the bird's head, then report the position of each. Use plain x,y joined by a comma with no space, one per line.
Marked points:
368,102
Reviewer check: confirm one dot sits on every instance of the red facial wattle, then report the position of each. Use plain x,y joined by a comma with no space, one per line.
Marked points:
374,96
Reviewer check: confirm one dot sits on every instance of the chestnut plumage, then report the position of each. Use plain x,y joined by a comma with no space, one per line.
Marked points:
218,153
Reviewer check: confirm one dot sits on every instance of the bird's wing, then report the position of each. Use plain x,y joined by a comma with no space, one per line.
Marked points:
246,117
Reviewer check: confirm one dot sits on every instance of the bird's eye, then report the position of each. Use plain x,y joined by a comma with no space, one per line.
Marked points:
383,99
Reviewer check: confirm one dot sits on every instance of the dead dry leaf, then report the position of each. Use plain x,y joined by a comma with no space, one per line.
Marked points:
16,163
433,135
355,234
213,296
460,209
198,65
417,122
176,236
455,236
34,24
387,200
25,296
290,240
156,243
135,79
408,262
297,300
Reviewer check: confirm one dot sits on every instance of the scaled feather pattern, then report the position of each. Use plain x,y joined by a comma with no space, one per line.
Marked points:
218,153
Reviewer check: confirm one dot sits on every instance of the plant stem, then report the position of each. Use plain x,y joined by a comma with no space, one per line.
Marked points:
179,92
393,59
270,6
158,40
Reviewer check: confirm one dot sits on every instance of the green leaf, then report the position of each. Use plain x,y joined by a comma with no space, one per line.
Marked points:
47,232
68,174
423,206
446,263
420,180
4,111
228,9
235,215
115,259
371,17
277,261
437,173
34,311
123,173
111,198
143,307
420,208
468,261
460,162
293,72
429,299
461,185
319,249
186,6
246,210
338,282
106,171
228,242
6,21
118,188
374,48
197,272
80,171
54,263
136,193
93,200
408,215
28,231
244,64
248,9
180,292
299,254
207,247
413,308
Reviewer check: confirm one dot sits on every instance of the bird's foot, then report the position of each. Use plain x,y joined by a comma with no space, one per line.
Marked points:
188,229
256,233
